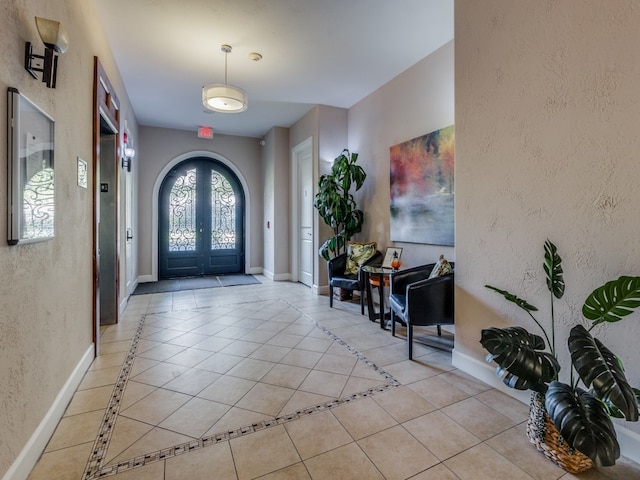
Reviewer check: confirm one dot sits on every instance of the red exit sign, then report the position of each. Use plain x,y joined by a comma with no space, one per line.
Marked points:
205,132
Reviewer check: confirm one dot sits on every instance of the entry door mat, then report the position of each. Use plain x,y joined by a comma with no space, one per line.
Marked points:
194,283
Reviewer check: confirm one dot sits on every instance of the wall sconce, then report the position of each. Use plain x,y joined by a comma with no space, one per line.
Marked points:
129,153
55,39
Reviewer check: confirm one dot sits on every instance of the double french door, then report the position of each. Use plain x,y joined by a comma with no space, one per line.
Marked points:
201,220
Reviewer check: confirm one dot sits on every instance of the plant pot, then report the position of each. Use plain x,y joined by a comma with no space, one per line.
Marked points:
345,294
544,435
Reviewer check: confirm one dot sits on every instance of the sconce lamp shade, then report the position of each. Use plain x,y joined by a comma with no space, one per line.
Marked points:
224,98
53,34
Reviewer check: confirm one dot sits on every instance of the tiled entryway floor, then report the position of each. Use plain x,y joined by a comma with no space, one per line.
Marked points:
266,381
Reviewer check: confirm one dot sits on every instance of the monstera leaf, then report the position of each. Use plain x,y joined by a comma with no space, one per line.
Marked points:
599,368
520,360
583,422
553,270
523,304
613,300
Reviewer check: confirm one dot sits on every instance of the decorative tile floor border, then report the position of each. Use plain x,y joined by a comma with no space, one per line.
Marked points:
94,468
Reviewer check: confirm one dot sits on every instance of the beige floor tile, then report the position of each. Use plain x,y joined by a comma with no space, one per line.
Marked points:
514,445
336,364
294,472
301,358
348,462
411,371
483,463
439,472
162,352
62,464
506,405
187,339
438,392
466,382
301,400
312,344
267,399
220,363
108,361
214,461
317,433
115,347
155,440
154,471
165,335
75,430
286,376
358,385
397,454
84,401
234,419
100,378
195,417
227,390
190,357
403,404
140,365
241,348
156,406
259,336
441,435
364,417
160,374
233,332
126,432
270,353
324,383
192,381
263,452
285,340
482,421
134,392
362,370
251,369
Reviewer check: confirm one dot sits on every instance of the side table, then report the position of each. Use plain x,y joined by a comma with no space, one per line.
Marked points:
377,277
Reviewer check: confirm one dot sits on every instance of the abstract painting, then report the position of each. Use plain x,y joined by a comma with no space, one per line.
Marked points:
422,189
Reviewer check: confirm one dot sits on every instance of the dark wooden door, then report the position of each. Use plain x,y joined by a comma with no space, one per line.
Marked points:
201,220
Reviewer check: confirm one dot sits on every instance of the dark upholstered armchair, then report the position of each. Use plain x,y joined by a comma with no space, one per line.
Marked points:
416,299
338,278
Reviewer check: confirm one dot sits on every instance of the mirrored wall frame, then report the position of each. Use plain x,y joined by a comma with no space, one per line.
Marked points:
30,171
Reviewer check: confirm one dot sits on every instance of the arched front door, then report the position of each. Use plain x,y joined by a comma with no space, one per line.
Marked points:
201,208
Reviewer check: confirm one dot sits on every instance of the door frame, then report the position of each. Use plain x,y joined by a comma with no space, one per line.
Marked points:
106,107
155,207
295,212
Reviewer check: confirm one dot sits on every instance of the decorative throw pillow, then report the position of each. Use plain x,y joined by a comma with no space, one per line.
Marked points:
357,254
442,267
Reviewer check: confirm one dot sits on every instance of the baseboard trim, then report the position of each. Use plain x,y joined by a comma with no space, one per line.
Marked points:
146,279
255,270
28,457
629,441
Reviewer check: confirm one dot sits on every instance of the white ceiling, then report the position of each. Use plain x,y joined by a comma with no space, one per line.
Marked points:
331,52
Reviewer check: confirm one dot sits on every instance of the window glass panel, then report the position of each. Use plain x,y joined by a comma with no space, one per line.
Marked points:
182,213
223,213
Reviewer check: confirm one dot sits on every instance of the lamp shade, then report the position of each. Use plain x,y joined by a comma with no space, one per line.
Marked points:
224,98
53,34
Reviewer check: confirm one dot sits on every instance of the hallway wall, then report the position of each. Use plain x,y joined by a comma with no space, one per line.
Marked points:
159,146
547,113
46,287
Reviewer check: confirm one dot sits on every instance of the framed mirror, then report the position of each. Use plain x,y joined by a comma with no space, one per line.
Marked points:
30,171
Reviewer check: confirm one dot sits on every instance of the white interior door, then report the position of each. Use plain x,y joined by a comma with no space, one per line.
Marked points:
305,212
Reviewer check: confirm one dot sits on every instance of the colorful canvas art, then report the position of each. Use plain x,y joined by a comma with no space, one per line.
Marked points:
422,189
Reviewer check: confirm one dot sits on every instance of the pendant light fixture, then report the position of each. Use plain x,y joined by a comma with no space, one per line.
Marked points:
224,98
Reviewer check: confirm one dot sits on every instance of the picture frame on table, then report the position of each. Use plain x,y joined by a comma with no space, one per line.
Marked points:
388,256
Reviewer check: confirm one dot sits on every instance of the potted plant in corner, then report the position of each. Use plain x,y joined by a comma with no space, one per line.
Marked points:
336,205
570,425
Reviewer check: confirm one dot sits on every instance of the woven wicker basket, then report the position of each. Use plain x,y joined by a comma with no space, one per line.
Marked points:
546,438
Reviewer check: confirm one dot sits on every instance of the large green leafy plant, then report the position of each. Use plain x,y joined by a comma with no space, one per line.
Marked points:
336,204
582,416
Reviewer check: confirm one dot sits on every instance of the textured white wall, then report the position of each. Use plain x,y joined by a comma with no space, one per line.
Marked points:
46,288
547,113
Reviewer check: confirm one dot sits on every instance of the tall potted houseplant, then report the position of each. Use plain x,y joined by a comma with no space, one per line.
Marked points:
569,424
336,204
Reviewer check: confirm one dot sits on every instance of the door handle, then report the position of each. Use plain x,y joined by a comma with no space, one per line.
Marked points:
129,236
